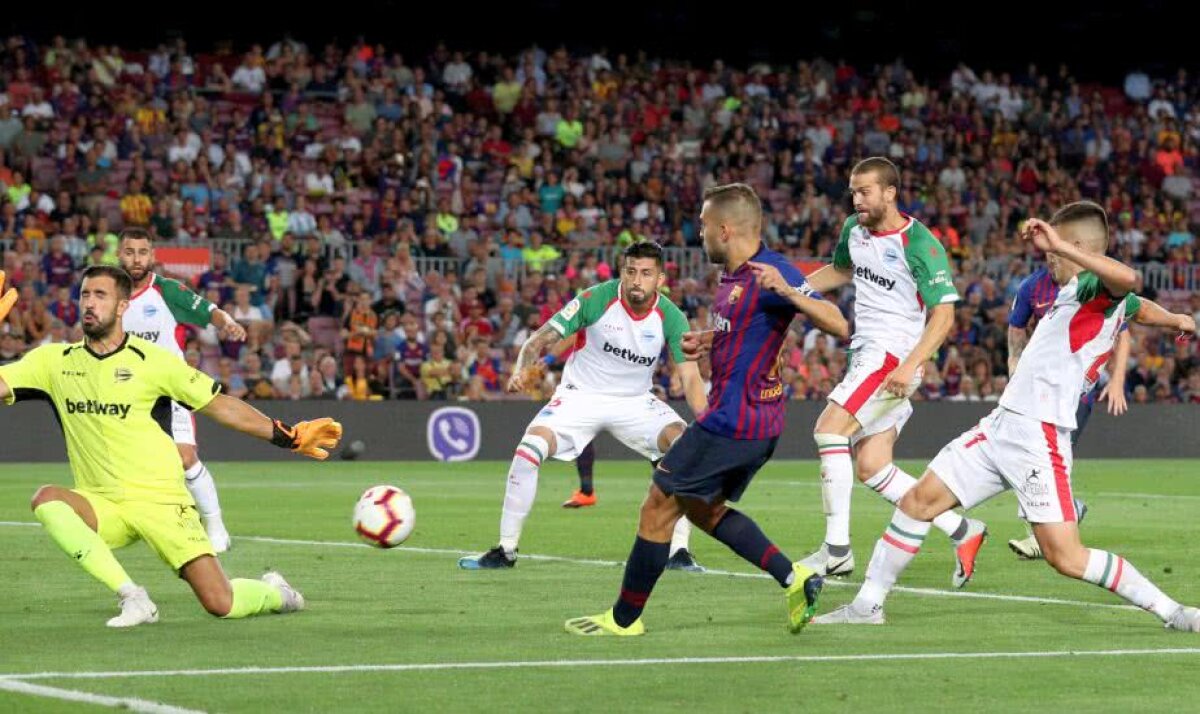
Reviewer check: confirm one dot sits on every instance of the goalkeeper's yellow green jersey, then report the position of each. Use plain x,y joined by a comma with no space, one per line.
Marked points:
115,413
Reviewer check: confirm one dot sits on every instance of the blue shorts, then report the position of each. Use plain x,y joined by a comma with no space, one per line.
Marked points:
711,467
1082,414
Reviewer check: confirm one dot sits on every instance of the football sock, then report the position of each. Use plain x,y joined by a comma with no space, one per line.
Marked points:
82,543
253,597
1112,572
837,551
837,479
744,537
584,464
646,563
521,489
200,484
679,538
892,482
893,552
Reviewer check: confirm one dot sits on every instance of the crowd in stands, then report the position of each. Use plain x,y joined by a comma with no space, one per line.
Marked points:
389,226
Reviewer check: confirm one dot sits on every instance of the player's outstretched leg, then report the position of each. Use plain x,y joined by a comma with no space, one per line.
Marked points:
520,490
743,536
1066,554
72,523
585,464
874,467
200,484
682,558
239,597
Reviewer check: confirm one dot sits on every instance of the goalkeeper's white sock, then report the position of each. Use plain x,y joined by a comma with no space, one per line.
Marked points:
521,489
837,480
893,552
204,490
1112,572
892,483
679,538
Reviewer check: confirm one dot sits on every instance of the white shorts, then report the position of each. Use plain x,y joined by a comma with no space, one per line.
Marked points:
577,417
1011,451
183,425
858,393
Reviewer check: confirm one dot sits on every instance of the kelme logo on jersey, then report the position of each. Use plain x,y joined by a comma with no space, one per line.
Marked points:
626,354
869,275
91,406
148,336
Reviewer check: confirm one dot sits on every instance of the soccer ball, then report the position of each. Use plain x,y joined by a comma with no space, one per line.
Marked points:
384,516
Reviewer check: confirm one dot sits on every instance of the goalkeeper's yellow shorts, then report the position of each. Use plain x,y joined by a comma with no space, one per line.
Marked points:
172,531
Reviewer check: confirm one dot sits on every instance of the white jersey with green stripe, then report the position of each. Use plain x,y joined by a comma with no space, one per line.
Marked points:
896,275
617,350
1069,347
158,312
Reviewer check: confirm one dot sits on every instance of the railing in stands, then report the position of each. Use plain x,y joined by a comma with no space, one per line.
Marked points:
690,262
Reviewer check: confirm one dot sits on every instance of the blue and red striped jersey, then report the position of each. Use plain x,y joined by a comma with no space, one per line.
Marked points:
1035,296
747,398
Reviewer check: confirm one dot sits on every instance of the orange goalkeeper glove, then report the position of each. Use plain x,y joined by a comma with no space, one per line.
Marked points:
308,438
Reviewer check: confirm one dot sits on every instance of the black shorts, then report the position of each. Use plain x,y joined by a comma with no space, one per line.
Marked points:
711,467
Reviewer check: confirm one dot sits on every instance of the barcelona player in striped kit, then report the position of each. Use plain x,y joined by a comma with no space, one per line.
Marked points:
717,456
1035,297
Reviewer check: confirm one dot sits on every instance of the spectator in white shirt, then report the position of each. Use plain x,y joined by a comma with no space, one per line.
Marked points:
457,74
1128,234
249,76
319,182
1160,106
301,223
292,363
953,177
38,107
182,149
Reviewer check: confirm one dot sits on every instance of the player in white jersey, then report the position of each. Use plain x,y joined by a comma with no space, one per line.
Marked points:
1025,444
158,310
621,328
900,273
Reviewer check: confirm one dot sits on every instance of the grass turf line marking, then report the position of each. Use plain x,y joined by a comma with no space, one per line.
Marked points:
727,573
132,704
752,659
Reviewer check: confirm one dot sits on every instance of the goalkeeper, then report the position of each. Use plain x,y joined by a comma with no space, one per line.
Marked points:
621,329
112,395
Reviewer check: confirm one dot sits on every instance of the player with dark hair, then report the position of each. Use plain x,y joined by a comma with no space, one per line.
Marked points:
620,328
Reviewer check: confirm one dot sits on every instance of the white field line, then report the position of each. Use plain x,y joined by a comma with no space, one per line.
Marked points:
69,695
933,592
754,659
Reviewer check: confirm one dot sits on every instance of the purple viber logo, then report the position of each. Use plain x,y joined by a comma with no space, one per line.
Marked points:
453,434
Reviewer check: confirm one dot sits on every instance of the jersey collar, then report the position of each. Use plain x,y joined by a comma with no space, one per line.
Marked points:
762,247
629,308
124,342
907,224
153,279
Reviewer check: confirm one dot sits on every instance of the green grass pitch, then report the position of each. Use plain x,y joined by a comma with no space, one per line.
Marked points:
715,642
